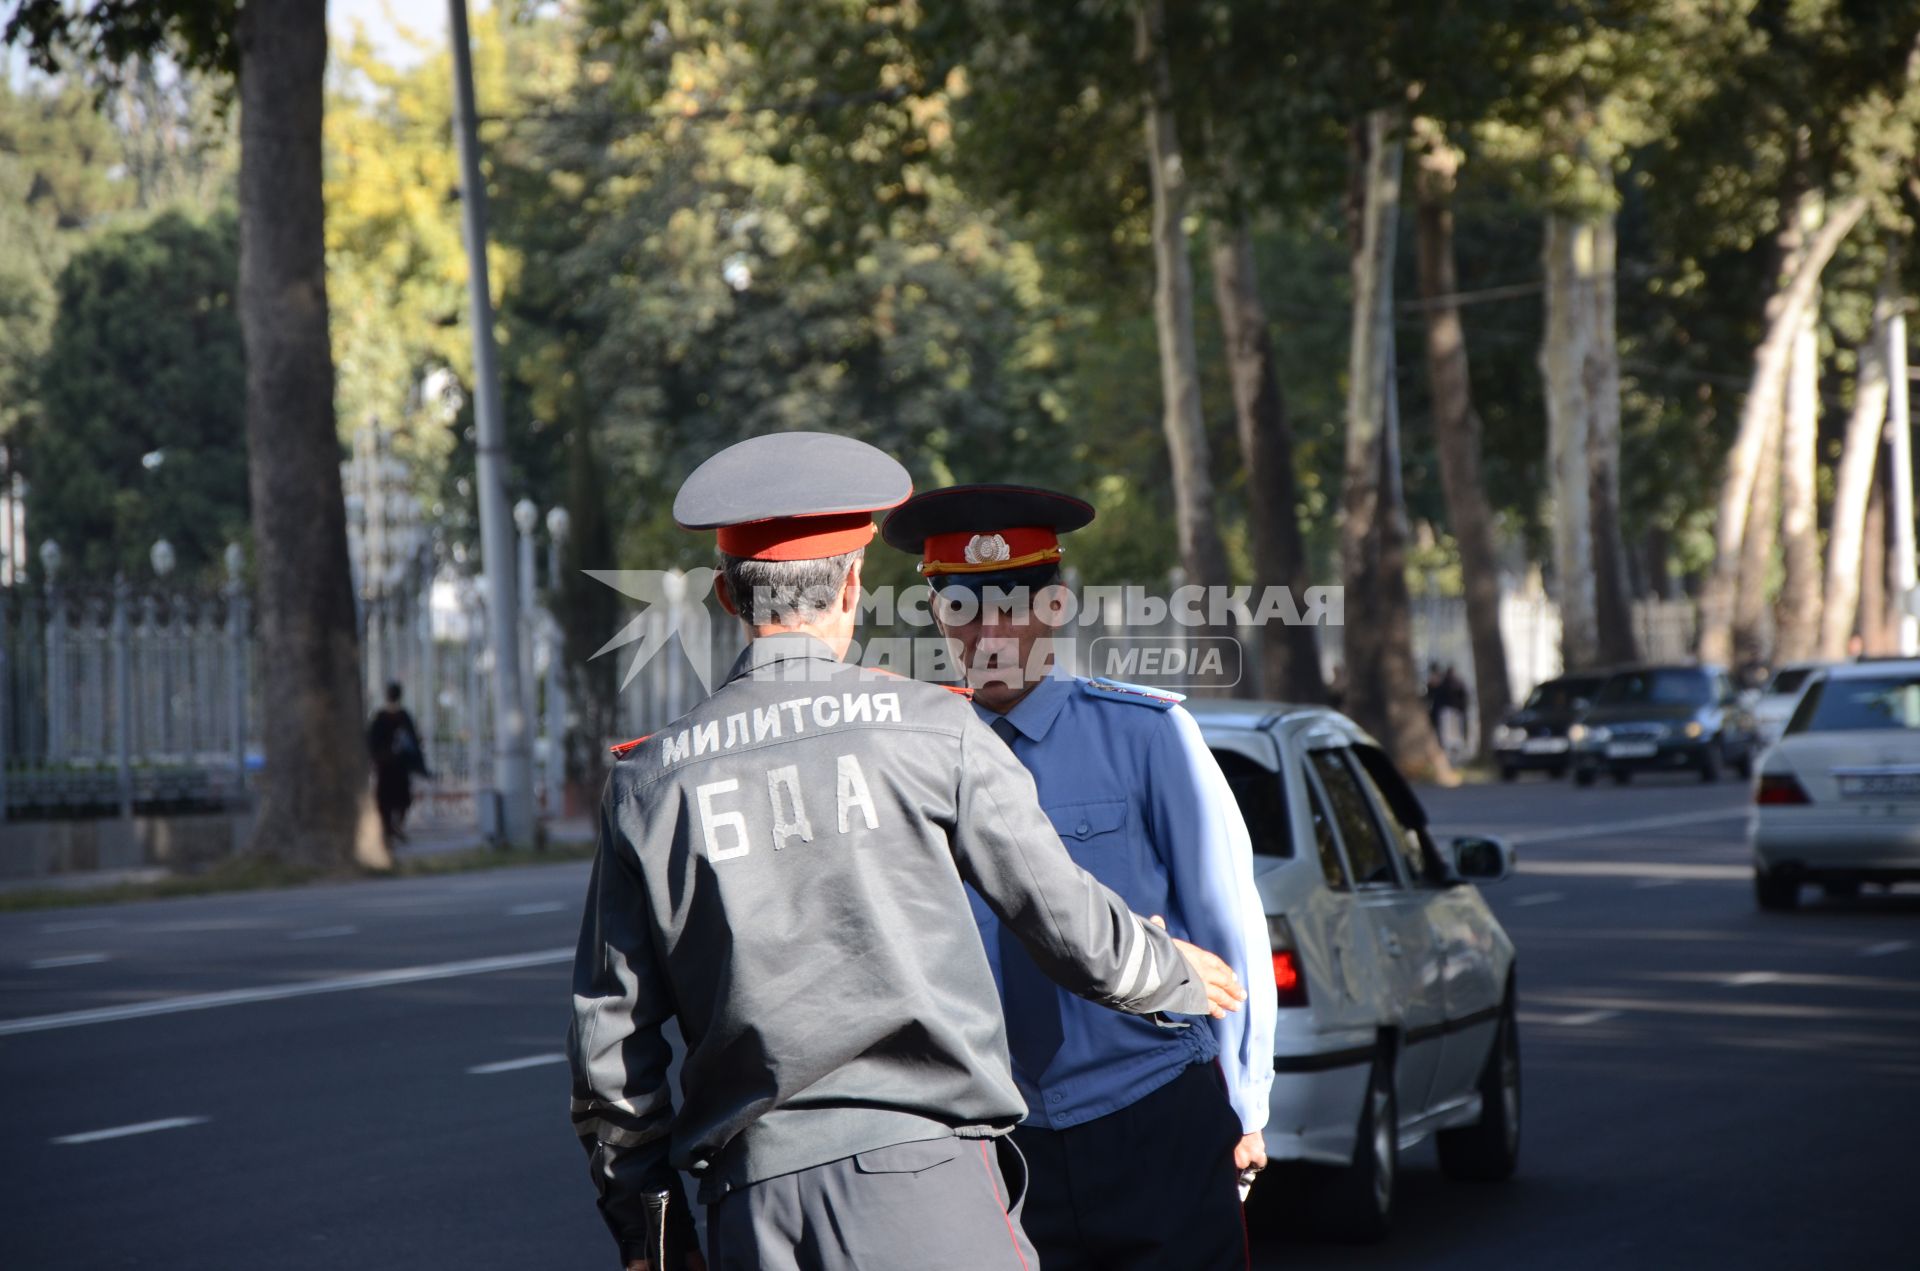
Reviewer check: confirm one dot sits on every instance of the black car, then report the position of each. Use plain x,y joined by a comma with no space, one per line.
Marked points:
1661,718
1535,736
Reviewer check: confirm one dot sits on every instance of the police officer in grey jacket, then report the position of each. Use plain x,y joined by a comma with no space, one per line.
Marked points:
781,870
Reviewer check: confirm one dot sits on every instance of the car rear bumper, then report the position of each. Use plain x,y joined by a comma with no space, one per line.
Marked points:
1827,842
1315,1105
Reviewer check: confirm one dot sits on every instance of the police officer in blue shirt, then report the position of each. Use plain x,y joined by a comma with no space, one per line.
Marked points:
1137,1131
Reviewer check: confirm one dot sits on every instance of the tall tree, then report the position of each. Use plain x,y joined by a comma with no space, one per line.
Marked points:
1853,481
1290,659
315,807
1202,555
141,395
1384,690
1800,594
1456,426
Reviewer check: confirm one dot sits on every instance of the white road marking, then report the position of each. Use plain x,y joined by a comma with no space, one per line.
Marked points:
513,1065
85,924
67,959
1630,827
281,992
1785,979
1732,1010
1567,1021
1882,949
1677,871
323,933
537,907
124,1131
1540,898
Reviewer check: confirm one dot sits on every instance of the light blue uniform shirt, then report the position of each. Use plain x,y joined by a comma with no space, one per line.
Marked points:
1140,803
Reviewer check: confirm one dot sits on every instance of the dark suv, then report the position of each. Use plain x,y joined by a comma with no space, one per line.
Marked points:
1659,718
1535,736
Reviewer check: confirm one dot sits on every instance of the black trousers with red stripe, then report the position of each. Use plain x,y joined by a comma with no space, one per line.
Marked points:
1151,1187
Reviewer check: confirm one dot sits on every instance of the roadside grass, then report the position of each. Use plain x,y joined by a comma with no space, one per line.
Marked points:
263,873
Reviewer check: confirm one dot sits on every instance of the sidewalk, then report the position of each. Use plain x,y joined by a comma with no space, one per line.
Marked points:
427,841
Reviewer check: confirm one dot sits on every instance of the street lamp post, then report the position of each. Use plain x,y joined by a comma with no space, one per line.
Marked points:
526,519
57,693
558,526
513,758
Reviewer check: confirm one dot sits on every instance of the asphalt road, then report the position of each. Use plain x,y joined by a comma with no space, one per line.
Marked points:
369,1075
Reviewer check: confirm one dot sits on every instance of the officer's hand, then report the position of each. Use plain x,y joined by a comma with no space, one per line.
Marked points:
1224,993
1250,1152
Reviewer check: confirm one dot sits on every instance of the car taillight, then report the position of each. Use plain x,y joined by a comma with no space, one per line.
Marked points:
1288,981
1779,788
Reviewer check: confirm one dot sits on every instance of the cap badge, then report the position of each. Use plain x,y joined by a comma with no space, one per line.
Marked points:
985,549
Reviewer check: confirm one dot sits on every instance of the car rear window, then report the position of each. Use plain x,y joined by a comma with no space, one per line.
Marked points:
1789,679
1854,704
1262,800
1658,688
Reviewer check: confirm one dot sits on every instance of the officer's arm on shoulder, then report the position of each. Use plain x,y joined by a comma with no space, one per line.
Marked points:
1076,929
622,1109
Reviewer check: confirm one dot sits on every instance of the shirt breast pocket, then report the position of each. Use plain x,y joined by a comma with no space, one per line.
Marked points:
1093,825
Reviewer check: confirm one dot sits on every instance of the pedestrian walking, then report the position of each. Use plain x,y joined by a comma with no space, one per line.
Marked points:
784,872
1137,1135
393,744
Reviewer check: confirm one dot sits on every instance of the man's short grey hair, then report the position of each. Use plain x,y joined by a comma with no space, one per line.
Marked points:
786,593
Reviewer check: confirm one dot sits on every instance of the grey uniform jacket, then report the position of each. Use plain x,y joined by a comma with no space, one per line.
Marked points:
782,870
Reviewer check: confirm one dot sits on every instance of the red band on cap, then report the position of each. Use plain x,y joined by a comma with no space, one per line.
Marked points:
978,553
797,537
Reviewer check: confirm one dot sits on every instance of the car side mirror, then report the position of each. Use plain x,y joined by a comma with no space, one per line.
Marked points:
1479,858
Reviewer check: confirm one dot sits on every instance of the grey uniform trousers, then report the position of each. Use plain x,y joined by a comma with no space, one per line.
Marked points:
935,1205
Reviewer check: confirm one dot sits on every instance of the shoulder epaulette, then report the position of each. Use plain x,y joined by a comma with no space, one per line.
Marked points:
1138,694
620,751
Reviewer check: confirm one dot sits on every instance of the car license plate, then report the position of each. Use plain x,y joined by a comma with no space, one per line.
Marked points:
1545,745
1631,749
1879,785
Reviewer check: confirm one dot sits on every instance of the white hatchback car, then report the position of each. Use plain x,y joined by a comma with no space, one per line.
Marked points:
1837,802
1396,982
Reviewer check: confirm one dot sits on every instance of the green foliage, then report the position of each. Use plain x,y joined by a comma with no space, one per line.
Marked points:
142,391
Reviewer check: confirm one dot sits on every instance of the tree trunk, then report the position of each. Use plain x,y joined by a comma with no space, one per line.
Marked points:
1875,560
1798,622
1290,654
1753,634
1456,430
1202,555
1852,484
1384,692
314,807
1612,594
1563,360
1757,415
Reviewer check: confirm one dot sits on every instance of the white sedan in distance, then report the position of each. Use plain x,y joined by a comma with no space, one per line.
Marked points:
1396,982
1774,707
1837,801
